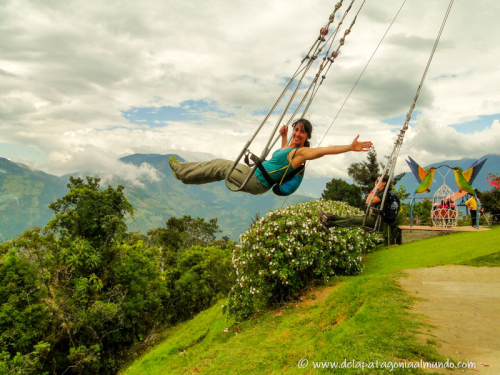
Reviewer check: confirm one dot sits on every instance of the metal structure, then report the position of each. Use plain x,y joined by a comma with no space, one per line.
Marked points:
391,164
444,213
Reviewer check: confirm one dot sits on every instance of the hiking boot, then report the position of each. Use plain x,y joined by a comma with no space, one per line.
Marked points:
173,162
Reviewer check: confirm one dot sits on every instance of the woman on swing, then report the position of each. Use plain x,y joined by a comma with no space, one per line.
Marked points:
284,161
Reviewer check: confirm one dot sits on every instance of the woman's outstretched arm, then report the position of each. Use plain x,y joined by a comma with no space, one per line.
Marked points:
306,153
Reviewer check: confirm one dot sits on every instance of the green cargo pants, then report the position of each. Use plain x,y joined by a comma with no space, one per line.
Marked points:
198,173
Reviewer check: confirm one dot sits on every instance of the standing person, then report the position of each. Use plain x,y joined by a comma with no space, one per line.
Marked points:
330,220
283,162
472,204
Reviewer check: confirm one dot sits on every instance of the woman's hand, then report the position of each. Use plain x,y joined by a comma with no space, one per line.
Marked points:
360,145
283,133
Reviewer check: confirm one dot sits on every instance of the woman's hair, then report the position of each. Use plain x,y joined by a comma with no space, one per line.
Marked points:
308,128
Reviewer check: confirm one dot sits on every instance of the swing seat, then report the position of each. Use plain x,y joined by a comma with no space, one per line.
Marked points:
234,185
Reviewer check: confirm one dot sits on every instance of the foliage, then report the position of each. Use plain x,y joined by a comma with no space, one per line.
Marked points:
466,221
200,279
184,233
494,180
365,173
402,193
490,200
21,311
76,296
339,190
90,213
287,249
27,364
421,213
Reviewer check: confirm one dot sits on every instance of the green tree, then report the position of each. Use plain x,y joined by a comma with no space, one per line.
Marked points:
365,173
101,295
90,213
490,200
340,190
198,232
203,277
22,313
182,234
76,296
402,193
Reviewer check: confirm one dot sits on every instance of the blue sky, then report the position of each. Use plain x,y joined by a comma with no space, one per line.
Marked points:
476,126
188,111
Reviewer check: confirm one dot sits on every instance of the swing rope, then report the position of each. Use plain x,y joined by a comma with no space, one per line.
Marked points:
362,72
316,48
318,51
389,168
328,60
355,84
331,59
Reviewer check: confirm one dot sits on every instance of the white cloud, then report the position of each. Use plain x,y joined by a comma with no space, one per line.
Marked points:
68,70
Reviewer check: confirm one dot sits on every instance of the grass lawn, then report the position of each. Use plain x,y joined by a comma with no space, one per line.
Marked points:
449,249
365,318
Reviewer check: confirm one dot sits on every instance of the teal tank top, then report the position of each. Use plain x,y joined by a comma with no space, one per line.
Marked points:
277,166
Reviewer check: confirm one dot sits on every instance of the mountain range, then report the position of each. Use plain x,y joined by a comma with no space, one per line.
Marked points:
25,195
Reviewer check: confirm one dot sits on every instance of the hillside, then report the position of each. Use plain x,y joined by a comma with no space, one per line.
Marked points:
26,195
365,318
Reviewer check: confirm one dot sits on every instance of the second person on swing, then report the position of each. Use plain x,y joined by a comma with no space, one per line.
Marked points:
283,162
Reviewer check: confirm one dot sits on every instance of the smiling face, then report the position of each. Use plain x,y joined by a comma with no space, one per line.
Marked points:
299,136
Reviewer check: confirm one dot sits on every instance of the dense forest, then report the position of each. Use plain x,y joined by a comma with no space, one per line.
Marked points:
82,293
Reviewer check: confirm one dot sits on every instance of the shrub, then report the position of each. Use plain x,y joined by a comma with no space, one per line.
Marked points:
288,248
490,200
466,221
200,278
421,213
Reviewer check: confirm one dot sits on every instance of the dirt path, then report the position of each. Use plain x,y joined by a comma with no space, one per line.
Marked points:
464,303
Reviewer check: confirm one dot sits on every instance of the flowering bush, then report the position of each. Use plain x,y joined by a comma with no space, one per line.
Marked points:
494,180
287,248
